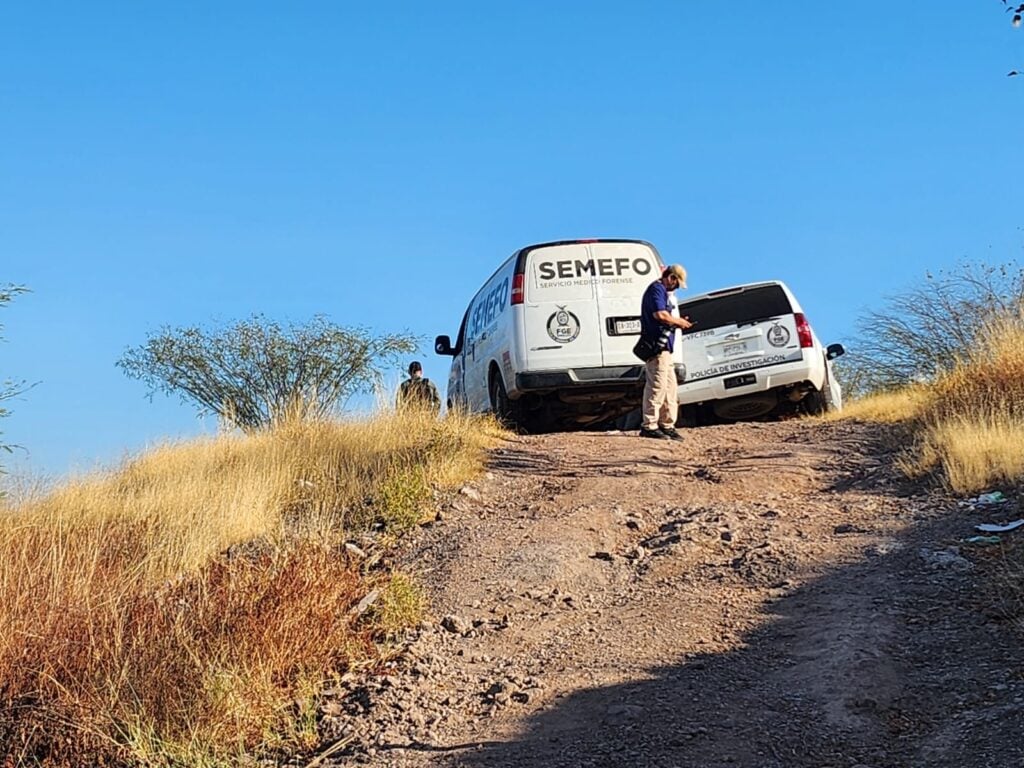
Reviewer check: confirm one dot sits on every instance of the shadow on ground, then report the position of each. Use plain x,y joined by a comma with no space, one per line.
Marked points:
896,660
886,663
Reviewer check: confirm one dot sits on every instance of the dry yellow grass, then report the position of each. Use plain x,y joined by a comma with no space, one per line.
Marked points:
973,425
885,407
970,422
974,453
175,610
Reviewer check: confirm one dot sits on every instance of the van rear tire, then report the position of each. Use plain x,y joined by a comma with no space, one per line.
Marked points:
503,407
696,415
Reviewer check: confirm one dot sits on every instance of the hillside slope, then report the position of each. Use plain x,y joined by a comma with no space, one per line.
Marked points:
759,595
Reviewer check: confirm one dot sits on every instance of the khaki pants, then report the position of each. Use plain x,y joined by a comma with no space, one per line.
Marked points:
661,405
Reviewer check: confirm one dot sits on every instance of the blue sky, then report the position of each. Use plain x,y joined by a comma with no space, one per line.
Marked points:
175,163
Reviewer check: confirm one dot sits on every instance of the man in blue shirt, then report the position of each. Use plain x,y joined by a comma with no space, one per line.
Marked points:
658,324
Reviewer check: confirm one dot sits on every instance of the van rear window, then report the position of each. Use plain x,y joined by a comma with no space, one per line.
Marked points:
736,308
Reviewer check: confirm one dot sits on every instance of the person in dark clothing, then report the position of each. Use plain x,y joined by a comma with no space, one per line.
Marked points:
418,392
659,324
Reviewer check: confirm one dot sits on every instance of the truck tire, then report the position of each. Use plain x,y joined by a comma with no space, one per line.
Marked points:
819,401
814,403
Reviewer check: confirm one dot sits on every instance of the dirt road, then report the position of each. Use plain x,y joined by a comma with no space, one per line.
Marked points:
759,595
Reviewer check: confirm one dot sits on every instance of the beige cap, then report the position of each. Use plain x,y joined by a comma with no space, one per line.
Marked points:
678,271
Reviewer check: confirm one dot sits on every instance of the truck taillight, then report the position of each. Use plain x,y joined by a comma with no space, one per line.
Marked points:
803,330
517,290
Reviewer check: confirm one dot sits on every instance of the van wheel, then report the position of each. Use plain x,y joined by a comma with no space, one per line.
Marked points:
689,416
500,403
627,422
696,415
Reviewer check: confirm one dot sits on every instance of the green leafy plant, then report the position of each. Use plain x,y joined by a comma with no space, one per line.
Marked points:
257,372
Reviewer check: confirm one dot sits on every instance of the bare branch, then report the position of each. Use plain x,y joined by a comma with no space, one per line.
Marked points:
10,388
926,330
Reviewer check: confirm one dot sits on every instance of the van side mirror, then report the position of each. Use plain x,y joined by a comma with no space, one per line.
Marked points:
443,346
832,351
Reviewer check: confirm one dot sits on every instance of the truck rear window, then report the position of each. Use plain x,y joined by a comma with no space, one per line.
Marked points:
738,308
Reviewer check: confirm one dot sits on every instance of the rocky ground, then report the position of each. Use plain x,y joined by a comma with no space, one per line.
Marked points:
759,595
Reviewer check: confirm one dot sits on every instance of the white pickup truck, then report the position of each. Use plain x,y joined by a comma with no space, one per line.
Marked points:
751,353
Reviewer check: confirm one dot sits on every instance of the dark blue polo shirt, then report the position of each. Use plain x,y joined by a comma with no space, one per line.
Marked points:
655,300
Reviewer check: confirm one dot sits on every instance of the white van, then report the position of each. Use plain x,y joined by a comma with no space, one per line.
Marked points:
547,342
751,352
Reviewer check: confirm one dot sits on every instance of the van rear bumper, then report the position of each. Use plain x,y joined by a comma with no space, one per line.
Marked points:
610,377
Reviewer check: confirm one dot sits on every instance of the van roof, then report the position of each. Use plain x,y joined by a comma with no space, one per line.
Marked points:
586,240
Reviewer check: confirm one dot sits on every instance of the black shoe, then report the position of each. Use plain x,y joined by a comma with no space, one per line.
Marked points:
655,433
670,433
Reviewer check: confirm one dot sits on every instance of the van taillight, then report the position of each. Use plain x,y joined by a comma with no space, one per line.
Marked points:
803,330
517,290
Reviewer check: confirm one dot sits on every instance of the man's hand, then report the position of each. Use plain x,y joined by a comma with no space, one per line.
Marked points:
667,318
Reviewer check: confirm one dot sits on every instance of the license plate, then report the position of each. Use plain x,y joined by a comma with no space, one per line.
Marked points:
740,381
624,327
731,350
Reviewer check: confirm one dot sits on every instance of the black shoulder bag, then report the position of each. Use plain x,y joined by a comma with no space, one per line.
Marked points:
645,349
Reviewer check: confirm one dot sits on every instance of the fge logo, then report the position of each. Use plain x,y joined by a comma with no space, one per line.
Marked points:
563,326
778,335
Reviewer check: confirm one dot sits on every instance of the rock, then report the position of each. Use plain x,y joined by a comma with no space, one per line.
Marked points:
884,548
500,692
355,550
839,530
945,559
470,492
707,474
366,602
456,624
331,708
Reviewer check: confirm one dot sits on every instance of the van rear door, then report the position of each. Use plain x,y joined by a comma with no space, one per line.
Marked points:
738,329
623,272
560,318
